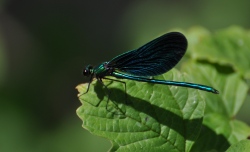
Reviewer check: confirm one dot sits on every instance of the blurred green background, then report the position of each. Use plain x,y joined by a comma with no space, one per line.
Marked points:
44,45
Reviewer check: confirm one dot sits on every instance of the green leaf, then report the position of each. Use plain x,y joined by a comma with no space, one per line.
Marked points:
154,118
232,129
220,129
242,146
219,132
229,46
233,90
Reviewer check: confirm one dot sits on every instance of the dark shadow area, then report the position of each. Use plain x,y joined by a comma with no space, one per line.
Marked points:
208,141
225,69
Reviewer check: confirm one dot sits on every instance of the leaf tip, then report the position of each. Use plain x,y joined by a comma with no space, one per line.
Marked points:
80,89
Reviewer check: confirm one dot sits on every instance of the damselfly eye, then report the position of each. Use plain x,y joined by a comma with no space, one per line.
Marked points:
87,70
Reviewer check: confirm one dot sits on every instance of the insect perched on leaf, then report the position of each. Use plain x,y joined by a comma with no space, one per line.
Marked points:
154,58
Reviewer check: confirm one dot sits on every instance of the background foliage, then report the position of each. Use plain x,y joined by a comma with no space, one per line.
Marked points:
45,44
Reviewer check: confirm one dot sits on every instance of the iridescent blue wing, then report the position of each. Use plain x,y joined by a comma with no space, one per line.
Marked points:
154,58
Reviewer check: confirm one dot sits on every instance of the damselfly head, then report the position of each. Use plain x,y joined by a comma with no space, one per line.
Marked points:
87,71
